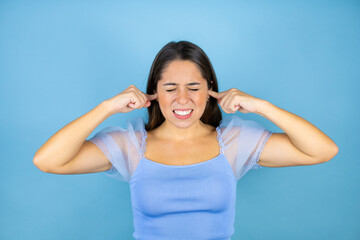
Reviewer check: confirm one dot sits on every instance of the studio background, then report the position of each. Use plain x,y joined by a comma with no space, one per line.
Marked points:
60,59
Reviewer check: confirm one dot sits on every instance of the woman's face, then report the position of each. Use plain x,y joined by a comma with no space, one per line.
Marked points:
182,87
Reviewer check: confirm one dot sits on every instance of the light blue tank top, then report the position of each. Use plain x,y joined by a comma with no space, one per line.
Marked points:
195,201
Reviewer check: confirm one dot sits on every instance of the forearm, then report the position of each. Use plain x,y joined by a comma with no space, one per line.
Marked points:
66,143
304,135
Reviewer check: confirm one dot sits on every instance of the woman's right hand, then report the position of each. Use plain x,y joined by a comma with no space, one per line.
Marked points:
129,99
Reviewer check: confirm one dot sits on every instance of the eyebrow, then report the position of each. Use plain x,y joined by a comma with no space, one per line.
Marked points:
174,84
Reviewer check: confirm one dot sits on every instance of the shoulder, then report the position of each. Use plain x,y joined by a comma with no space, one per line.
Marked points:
230,122
234,121
234,128
133,133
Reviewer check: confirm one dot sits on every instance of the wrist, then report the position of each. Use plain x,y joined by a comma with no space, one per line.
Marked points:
263,107
107,108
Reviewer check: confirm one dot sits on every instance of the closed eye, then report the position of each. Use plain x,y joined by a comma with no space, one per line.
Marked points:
174,89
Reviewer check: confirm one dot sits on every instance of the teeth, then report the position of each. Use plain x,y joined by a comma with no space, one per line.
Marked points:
183,112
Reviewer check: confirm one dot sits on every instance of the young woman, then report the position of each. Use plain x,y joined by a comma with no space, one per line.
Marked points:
183,165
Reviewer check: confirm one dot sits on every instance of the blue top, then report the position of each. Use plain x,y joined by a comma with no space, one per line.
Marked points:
195,201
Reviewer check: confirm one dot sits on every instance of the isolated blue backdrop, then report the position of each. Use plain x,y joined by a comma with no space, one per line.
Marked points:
60,59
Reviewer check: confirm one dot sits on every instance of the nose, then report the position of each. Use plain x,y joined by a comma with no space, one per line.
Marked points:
182,97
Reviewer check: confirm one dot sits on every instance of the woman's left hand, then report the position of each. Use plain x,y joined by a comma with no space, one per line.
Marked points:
234,100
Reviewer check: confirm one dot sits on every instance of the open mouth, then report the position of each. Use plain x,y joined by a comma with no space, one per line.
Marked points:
183,113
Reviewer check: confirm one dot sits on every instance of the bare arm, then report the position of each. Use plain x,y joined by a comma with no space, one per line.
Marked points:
301,144
66,143
67,151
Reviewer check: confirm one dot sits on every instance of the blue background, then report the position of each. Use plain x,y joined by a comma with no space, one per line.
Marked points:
58,60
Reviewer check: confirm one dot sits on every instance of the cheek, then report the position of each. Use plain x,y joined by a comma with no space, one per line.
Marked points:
201,98
164,100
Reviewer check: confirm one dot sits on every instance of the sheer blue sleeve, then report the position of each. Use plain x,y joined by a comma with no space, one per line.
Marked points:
243,141
122,147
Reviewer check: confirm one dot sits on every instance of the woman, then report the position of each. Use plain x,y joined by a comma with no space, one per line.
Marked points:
183,165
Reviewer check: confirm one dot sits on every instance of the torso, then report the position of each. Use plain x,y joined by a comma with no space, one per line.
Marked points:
182,153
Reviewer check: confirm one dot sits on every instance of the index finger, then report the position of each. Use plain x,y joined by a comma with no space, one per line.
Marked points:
215,94
151,97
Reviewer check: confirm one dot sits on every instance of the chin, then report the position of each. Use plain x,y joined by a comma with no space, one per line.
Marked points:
182,123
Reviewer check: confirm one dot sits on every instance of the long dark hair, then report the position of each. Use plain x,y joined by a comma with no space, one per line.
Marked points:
182,50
